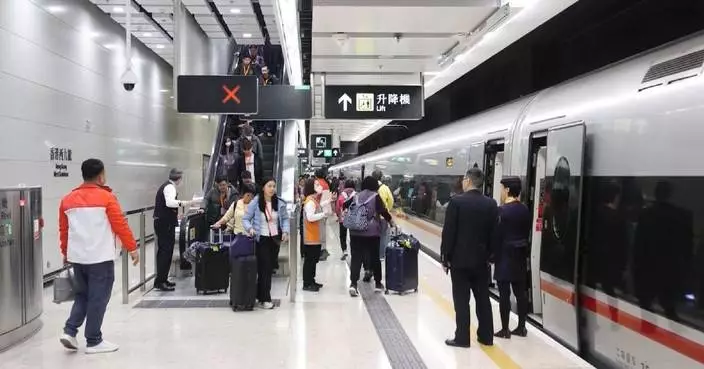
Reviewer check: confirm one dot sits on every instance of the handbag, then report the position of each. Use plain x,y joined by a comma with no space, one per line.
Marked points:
242,246
64,287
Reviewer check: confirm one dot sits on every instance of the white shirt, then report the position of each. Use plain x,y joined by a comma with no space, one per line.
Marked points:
272,218
170,196
311,215
249,164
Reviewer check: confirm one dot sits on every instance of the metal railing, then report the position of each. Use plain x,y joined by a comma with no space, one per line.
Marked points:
293,253
142,247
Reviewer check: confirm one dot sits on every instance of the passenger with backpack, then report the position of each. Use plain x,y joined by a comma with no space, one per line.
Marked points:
363,222
345,195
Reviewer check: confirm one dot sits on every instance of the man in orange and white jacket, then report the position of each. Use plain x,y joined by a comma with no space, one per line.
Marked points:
90,220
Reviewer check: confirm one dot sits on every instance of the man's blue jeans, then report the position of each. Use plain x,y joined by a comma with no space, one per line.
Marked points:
93,287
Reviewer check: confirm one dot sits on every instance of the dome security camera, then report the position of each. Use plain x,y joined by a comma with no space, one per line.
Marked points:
128,80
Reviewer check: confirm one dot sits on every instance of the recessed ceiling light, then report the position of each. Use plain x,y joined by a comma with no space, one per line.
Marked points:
147,34
247,35
171,97
56,9
235,10
92,34
204,116
110,46
118,9
160,46
164,90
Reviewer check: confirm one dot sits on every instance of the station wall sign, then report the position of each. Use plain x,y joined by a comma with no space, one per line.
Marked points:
302,152
321,142
374,102
326,153
218,94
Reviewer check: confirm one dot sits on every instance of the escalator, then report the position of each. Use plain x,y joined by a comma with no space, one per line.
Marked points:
193,226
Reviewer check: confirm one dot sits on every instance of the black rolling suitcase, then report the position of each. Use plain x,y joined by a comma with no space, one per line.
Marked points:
243,283
402,264
212,267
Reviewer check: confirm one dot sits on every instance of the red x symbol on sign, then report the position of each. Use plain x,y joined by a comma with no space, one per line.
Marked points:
231,94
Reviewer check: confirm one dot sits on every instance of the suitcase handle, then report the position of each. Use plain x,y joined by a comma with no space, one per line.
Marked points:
212,235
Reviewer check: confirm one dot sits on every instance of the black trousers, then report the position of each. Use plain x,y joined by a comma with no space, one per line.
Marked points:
266,247
165,238
476,281
311,256
343,238
365,249
521,292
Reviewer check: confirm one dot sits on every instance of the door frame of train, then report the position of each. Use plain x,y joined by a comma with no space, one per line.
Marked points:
566,144
492,149
537,142
475,155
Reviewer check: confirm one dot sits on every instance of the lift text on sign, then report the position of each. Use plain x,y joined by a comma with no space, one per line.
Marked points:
374,102
218,94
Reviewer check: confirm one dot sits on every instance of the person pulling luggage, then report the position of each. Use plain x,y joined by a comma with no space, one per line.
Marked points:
313,222
266,219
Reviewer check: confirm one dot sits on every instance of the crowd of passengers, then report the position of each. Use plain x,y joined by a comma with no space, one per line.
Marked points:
251,63
246,204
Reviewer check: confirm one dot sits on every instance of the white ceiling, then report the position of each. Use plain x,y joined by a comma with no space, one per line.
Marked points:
372,53
239,17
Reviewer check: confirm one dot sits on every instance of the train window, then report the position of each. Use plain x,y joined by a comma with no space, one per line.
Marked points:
425,196
644,243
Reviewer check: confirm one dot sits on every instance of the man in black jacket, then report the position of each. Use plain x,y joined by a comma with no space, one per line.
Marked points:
249,161
465,248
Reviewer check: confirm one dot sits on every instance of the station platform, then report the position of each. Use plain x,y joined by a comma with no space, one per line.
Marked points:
328,329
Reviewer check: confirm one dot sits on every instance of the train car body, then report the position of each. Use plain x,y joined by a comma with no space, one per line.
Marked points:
611,166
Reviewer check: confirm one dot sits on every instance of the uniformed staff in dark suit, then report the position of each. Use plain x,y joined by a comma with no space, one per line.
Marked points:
510,254
466,243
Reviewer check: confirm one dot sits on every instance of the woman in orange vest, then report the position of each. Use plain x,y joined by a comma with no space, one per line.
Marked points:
313,223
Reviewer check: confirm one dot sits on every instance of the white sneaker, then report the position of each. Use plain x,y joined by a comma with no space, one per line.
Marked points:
102,347
266,305
71,343
353,291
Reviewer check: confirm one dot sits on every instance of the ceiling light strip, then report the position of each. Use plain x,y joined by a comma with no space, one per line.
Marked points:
260,20
151,20
220,19
287,22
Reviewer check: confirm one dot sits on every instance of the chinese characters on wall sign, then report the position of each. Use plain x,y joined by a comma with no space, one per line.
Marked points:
60,157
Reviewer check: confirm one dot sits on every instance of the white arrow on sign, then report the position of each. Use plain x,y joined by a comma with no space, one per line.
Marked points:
344,100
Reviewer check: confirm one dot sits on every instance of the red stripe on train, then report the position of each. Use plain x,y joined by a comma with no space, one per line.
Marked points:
669,339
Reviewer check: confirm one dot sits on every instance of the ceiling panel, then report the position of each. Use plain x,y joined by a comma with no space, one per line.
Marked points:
206,19
240,19
328,45
374,65
398,19
216,34
199,10
225,3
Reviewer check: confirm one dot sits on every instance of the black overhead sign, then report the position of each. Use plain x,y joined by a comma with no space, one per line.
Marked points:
218,94
326,153
283,102
374,102
321,142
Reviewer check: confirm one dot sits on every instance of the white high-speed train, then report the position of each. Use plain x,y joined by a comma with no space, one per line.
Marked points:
613,169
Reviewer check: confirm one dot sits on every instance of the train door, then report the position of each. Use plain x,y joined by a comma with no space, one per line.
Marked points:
533,198
559,238
475,157
494,169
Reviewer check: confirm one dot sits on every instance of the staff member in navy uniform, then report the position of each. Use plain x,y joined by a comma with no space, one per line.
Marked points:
466,240
511,251
166,206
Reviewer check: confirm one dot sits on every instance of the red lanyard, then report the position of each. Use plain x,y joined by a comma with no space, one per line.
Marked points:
268,217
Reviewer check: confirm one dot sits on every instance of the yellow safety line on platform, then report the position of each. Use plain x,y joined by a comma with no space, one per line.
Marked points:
498,356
